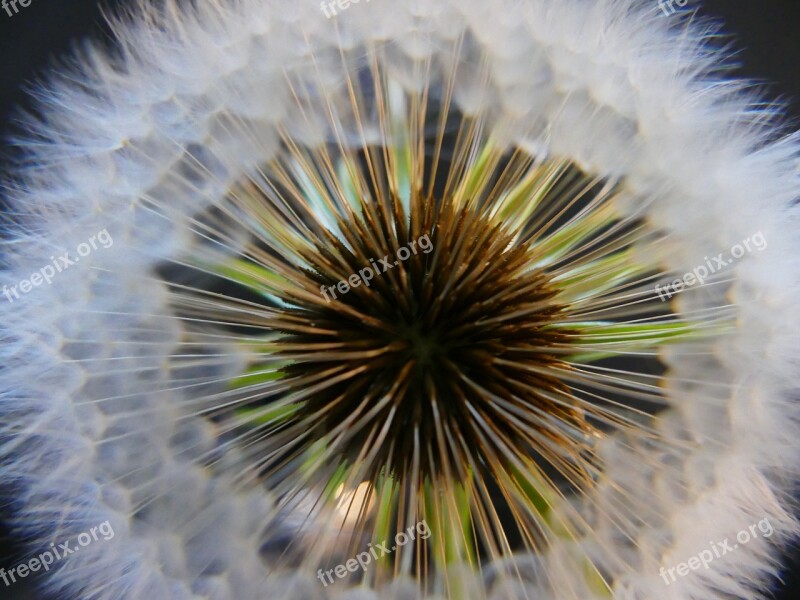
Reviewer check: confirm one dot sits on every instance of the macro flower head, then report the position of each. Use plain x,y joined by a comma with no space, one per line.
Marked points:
437,299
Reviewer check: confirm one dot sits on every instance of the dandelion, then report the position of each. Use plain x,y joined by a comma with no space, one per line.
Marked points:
507,411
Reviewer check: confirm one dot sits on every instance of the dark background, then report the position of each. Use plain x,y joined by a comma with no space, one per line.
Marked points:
765,32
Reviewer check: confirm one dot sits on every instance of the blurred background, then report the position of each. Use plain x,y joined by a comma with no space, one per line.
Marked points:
764,33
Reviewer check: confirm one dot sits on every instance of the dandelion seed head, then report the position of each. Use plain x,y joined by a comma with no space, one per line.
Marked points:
521,388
